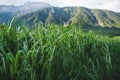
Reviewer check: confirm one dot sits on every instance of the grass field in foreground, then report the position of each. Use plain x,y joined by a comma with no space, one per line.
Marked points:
55,53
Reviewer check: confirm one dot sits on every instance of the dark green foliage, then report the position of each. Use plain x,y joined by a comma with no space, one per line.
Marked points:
53,53
115,57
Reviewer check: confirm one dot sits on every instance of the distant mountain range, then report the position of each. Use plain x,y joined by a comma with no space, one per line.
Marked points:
34,12
25,8
8,11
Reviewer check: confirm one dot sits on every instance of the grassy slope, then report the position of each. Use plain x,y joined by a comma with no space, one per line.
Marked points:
55,53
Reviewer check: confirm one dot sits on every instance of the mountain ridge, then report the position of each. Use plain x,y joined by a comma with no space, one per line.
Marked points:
26,8
75,15
34,12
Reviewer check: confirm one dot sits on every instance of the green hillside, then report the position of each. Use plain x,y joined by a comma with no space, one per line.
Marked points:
104,21
107,22
107,18
74,15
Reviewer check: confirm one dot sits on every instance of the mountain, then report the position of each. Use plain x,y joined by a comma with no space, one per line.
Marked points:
11,10
34,12
73,15
32,6
7,12
5,16
8,8
25,8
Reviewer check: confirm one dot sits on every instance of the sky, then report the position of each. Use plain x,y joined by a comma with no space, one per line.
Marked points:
113,5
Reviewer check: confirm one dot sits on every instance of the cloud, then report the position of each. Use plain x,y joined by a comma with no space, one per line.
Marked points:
1,2
97,4
16,2
112,5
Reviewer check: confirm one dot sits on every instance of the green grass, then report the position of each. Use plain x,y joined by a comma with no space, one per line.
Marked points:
115,57
54,53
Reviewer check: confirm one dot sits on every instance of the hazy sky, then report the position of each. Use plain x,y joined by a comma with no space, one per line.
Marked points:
99,4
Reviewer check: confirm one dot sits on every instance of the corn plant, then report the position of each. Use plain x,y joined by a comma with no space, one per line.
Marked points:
53,52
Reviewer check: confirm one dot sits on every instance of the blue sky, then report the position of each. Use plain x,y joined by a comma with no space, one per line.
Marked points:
113,5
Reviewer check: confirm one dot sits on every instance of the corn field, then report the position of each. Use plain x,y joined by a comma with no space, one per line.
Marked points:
53,53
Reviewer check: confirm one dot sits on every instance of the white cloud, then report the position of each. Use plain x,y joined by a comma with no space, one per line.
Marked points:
16,2
99,4
112,5
1,2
